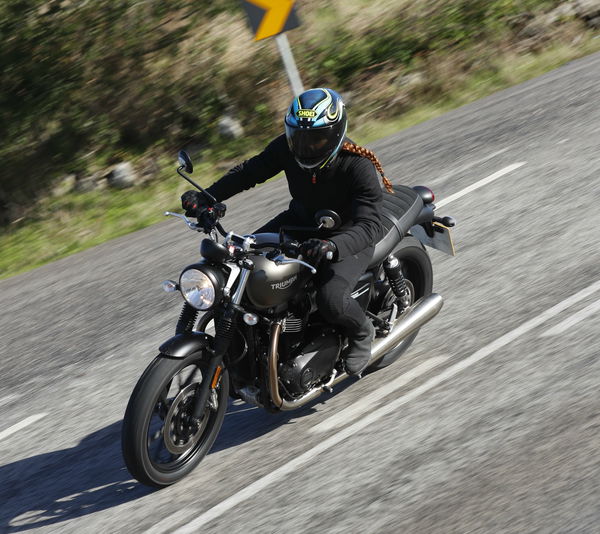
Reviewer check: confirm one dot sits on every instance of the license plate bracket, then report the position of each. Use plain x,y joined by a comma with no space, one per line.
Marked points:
441,240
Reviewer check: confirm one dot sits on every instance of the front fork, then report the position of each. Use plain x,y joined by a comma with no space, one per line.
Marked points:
224,332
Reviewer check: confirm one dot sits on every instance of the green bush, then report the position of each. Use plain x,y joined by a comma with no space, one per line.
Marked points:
87,83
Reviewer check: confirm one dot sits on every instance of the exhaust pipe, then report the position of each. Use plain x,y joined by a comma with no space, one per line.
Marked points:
420,313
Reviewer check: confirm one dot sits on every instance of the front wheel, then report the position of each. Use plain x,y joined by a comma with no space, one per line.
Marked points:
417,270
160,441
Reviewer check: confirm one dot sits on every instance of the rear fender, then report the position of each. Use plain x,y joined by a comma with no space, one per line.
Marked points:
187,343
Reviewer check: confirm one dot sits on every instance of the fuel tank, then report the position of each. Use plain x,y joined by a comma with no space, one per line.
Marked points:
270,285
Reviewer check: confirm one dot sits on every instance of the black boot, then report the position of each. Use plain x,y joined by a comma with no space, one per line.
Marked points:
358,352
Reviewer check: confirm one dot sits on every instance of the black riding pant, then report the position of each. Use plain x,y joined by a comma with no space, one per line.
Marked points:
335,281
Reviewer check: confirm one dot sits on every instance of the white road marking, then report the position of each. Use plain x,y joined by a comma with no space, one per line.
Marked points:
472,164
256,487
480,183
242,411
365,403
573,320
19,426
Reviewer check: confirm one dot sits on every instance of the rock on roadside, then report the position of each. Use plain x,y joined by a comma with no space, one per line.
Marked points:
123,176
230,127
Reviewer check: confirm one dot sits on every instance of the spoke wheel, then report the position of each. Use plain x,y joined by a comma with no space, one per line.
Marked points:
161,440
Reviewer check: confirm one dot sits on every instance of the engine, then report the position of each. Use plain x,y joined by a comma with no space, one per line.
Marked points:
314,362
308,350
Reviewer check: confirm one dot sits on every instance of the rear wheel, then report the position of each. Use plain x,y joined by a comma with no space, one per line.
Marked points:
161,442
417,270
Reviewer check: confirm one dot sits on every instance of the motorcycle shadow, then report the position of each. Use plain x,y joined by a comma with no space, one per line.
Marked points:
244,423
57,486
54,487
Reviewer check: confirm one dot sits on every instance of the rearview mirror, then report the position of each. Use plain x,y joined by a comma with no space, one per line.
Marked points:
185,161
328,219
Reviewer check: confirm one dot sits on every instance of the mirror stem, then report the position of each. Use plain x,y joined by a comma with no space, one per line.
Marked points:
208,195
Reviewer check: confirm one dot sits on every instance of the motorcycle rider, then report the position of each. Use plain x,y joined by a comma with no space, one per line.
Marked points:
324,170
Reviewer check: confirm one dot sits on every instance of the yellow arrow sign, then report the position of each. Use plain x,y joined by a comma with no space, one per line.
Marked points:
275,17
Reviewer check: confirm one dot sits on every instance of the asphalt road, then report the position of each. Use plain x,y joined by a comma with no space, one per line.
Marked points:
490,423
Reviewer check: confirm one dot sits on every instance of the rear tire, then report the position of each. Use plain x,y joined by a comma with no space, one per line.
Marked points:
159,444
416,267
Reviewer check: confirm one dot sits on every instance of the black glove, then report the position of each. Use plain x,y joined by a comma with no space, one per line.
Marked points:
194,203
314,251
209,216
208,220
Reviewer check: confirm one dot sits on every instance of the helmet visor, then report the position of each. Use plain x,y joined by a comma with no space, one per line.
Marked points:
311,146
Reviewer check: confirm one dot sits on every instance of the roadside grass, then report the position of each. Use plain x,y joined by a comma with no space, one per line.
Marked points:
506,71
77,221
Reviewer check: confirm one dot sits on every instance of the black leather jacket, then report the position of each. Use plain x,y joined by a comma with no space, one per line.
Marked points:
350,187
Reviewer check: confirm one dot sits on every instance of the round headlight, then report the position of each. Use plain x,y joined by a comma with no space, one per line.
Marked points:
197,289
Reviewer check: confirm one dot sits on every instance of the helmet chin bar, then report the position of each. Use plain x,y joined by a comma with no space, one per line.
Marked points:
311,168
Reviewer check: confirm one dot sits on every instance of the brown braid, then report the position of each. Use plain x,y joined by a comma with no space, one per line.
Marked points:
369,154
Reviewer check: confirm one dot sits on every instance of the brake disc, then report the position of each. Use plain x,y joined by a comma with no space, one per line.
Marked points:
180,434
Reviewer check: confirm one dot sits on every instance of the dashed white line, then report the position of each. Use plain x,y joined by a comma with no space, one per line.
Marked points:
573,320
472,164
256,487
365,403
480,183
23,424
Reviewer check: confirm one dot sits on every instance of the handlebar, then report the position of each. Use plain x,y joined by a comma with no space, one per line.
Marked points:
280,249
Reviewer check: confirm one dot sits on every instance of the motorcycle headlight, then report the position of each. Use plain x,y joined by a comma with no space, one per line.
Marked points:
198,289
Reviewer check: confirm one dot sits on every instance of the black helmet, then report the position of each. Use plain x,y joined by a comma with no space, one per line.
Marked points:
315,127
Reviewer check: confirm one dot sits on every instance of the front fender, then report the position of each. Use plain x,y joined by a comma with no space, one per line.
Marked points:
184,344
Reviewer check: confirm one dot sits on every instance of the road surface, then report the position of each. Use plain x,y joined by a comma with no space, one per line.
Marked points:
490,423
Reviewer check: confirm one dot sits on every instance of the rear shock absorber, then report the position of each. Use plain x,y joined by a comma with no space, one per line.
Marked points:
393,272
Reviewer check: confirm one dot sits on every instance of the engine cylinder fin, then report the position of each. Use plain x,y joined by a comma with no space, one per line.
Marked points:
293,323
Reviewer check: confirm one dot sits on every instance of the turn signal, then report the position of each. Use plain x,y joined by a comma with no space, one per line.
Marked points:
169,286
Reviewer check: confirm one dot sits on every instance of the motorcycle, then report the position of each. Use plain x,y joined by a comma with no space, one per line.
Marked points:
270,346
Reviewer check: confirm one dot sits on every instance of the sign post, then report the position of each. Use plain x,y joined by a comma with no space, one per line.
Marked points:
290,65
270,18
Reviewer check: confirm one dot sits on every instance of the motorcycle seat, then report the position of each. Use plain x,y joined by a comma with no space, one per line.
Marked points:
399,212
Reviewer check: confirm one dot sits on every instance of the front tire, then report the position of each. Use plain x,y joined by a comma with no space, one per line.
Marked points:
417,270
160,445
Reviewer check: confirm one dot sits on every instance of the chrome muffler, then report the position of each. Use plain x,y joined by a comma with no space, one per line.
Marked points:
417,315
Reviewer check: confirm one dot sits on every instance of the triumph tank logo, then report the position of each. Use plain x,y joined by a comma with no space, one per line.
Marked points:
285,284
